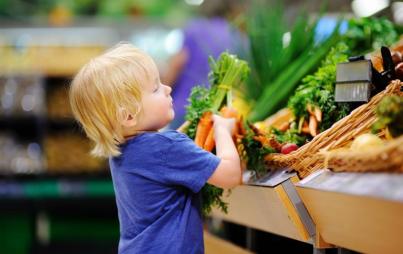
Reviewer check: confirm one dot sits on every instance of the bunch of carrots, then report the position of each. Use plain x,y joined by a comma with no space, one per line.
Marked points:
315,117
205,129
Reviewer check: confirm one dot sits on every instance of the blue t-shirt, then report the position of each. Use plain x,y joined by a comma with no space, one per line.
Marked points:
157,179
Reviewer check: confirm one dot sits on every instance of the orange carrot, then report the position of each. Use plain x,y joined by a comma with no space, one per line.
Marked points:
318,114
305,127
203,128
313,126
226,112
209,144
241,128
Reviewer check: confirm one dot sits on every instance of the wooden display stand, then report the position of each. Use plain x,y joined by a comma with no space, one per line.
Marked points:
361,212
272,205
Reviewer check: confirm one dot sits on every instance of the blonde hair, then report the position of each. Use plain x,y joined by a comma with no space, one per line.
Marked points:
105,90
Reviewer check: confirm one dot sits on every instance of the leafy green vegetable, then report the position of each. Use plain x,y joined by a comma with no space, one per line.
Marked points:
318,89
289,136
227,72
276,94
390,114
273,43
254,153
369,34
199,102
211,196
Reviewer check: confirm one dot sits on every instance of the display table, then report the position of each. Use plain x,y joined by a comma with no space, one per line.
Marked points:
270,204
358,211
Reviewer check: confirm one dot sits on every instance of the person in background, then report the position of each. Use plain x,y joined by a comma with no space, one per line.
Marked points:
208,35
120,102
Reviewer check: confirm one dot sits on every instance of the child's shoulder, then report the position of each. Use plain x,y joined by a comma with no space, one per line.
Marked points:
173,135
164,136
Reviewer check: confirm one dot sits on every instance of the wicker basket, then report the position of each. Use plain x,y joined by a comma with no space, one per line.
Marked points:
385,158
306,160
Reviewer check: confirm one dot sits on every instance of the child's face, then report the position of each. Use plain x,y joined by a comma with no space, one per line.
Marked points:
157,108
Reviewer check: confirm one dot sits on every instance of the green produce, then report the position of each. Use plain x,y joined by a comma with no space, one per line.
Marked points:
276,94
369,34
255,146
390,115
274,48
290,136
318,90
227,72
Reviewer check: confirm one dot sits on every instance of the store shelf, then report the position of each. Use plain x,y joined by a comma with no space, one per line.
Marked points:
49,60
361,212
271,205
56,187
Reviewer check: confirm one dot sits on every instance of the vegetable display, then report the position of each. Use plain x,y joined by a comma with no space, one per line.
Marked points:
308,91
313,103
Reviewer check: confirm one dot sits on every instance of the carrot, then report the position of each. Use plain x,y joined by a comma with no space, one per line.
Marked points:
315,111
226,112
203,128
304,126
318,114
313,126
284,126
275,144
209,144
301,124
241,128
310,108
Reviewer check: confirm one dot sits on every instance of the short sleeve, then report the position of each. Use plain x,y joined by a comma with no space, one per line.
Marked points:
189,165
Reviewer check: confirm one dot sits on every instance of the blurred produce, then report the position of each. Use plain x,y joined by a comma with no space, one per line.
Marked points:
281,56
368,34
58,106
365,142
390,115
18,157
60,15
21,95
61,12
70,153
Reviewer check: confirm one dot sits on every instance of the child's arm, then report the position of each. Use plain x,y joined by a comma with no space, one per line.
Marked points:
228,173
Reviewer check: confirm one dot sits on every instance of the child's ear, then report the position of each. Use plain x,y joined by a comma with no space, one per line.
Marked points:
129,121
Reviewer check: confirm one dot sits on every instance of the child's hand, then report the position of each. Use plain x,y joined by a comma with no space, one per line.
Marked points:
225,123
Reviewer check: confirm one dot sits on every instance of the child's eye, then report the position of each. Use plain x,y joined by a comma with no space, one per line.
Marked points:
156,88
